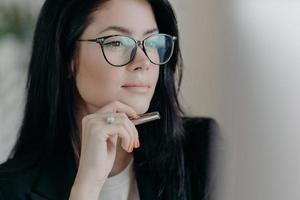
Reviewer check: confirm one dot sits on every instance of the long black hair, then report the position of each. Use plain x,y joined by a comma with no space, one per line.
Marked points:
49,124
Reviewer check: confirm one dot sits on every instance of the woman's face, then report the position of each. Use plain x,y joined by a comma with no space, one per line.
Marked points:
97,81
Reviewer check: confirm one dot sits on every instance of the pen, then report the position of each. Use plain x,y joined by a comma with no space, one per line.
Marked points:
147,117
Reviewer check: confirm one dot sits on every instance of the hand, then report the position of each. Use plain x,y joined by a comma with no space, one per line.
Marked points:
98,145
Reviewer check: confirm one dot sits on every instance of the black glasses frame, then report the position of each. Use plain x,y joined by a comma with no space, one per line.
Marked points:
138,43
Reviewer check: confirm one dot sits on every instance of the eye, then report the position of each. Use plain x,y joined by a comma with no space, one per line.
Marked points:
113,44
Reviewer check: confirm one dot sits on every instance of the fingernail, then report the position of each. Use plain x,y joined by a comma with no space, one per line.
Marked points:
137,144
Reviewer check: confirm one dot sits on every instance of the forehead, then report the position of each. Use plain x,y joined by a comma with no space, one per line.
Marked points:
135,15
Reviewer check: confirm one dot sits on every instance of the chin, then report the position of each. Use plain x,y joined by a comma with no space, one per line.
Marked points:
140,108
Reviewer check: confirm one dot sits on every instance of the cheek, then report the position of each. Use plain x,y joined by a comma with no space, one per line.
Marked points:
97,82
156,74
155,79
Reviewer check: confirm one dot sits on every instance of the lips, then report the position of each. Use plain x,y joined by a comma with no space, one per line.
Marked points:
136,87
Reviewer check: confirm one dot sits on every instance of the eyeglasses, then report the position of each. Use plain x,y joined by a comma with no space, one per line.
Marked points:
119,50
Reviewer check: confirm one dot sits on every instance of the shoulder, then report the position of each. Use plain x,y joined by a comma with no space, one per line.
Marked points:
205,124
200,136
199,131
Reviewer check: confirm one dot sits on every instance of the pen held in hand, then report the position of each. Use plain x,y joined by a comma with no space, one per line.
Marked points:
147,117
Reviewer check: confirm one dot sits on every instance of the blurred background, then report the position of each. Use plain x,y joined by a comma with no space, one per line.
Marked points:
17,21
242,67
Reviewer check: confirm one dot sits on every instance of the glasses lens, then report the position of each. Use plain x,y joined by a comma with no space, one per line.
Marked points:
159,48
118,49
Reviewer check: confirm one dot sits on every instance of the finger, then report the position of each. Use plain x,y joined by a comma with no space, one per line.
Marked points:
122,119
95,121
120,130
128,125
134,131
125,122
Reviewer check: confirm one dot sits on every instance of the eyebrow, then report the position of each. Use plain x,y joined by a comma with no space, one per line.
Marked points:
125,30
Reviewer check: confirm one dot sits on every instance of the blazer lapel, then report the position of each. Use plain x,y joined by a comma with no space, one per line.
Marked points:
55,179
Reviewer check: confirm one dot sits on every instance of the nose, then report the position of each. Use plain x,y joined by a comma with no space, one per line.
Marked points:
140,60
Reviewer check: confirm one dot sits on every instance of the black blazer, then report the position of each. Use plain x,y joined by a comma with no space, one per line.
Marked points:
53,181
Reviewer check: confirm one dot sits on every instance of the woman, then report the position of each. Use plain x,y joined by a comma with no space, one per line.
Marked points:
95,66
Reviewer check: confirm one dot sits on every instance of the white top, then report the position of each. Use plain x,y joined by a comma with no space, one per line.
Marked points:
122,186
